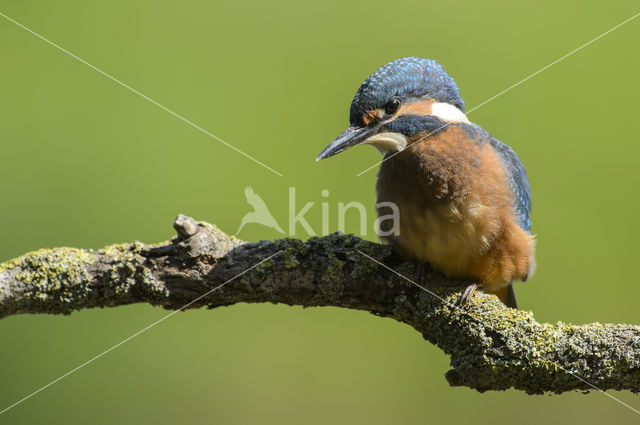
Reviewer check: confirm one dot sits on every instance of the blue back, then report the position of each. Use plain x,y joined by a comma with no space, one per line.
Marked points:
517,180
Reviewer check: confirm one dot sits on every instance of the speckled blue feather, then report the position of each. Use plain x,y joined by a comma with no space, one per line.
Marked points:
405,78
517,180
410,125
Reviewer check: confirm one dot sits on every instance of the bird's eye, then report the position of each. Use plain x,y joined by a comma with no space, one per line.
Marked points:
392,106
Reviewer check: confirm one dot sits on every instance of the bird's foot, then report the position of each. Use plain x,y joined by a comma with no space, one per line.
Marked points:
468,293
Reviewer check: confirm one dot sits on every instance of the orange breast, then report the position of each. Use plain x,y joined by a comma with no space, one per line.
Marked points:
456,210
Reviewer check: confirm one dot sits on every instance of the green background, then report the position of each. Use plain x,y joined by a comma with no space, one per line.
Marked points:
84,162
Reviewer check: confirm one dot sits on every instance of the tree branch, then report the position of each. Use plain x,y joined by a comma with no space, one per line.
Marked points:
491,347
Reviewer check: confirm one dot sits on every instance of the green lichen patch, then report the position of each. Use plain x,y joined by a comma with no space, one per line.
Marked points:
363,250
53,277
292,253
331,283
11,264
127,274
493,347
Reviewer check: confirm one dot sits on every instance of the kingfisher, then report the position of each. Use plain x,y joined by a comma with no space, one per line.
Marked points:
462,197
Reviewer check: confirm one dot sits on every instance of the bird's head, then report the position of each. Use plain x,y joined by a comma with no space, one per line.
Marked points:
389,101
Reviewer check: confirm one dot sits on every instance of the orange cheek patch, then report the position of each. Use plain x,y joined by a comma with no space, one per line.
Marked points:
419,107
371,116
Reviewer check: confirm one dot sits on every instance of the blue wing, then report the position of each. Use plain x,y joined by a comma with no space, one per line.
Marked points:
518,181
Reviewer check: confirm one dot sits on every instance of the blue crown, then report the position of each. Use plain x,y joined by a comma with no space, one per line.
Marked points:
405,78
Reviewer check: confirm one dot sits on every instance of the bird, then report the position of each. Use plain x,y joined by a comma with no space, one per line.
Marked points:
260,213
463,197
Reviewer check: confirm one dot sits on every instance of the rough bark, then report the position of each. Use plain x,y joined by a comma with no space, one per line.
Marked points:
491,347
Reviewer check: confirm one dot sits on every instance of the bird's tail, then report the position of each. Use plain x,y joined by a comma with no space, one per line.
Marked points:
508,296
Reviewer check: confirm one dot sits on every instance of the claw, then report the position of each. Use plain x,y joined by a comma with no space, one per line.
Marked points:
468,293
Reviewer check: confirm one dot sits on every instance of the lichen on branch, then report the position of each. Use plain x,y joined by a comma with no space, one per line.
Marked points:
492,347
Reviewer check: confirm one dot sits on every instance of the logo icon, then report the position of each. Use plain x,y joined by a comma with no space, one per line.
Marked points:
260,213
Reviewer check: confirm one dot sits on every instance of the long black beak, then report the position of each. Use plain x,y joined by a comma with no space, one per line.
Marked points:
350,137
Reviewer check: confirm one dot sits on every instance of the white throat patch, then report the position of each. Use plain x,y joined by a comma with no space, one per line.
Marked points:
387,142
448,113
